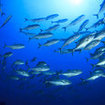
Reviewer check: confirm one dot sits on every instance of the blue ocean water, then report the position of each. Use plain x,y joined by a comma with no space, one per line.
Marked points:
33,91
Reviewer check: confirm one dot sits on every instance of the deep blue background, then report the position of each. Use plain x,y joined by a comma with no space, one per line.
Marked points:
90,94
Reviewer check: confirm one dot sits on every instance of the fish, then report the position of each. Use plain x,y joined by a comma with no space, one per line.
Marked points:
50,42
74,22
40,68
98,23
42,63
34,59
70,40
65,51
71,73
52,28
2,13
23,73
100,36
14,77
102,9
96,74
8,54
35,20
92,44
60,21
95,56
60,82
30,27
83,42
52,16
15,46
42,36
6,21
83,25
49,73
100,63
18,62
100,49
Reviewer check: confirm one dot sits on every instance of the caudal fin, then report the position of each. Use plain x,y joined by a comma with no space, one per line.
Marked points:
4,46
73,52
20,29
87,29
29,38
2,14
87,59
93,65
52,22
25,19
39,45
96,15
64,28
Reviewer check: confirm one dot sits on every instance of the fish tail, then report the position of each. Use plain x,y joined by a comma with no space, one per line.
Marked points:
82,79
96,15
52,21
86,29
25,19
27,64
41,30
20,29
73,52
87,59
91,54
64,28
4,46
103,42
39,45
2,14
60,50
93,65
29,38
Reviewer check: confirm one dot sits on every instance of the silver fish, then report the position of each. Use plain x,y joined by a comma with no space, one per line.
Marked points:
50,42
52,16
30,27
61,82
15,46
35,20
42,36
6,21
60,21
92,44
74,22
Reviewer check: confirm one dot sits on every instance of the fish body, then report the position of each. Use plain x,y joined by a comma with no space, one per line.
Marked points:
52,16
30,27
6,21
59,82
15,46
42,36
70,40
19,62
36,19
22,73
92,44
83,25
72,73
84,41
52,28
8,54
50,42
74,22
60,21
